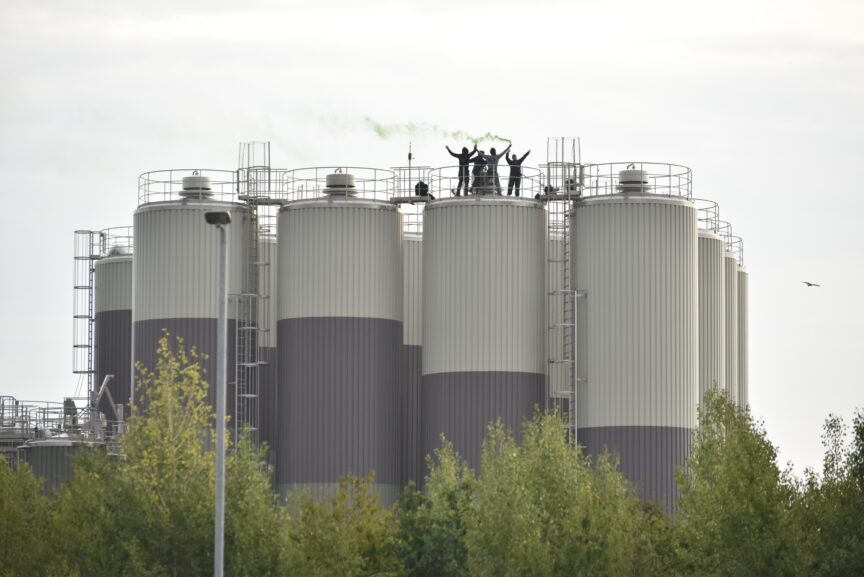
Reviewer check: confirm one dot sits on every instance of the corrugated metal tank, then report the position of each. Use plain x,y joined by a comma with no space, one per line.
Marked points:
730,276
339,343
267,372
712,310
412,358
636,259
51,459
112,331
175,276
743,337
484,318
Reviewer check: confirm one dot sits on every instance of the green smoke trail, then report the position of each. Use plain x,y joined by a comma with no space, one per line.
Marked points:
385,131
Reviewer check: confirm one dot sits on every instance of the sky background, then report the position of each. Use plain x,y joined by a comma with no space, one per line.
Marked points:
764,100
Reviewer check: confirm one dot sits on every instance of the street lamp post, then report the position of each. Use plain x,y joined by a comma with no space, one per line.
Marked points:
220,220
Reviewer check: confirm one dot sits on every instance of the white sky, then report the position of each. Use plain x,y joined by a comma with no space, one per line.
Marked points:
764,100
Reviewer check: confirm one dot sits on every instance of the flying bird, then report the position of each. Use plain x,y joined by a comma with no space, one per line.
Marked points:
811,283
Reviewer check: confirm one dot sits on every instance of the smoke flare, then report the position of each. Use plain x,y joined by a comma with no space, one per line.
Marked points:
385,131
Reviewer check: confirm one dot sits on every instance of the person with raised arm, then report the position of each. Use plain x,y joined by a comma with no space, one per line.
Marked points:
515,173
492,169
464,159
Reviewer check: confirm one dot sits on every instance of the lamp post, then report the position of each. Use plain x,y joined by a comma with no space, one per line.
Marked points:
220,220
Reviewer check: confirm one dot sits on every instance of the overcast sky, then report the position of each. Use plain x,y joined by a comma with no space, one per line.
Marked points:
764,100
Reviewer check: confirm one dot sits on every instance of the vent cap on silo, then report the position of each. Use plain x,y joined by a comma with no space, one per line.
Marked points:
340,184
633,179
197,186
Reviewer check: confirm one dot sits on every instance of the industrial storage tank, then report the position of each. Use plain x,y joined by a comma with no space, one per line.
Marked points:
730,279
484,318
743,337
411,367
51,459
712,301
339,331
112,328
175,266
634,258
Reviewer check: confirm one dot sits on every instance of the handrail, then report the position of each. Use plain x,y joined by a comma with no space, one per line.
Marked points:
311,182
166,185
663,179
708,214
444,181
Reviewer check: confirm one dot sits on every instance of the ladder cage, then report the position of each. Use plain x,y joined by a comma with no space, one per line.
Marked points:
563,184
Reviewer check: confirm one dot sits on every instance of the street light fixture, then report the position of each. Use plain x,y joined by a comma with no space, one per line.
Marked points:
220,220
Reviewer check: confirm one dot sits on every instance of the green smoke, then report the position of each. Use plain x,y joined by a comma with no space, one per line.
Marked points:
385,131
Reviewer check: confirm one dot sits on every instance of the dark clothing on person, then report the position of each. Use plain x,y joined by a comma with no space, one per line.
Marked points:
422,189
464,159
515,174
492,171
514,184
481,175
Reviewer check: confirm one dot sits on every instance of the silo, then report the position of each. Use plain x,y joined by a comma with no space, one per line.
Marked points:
112,330
339,338
411,359
730,276
712,320
267,372
743,337
51,459
484,317
175,267
634,258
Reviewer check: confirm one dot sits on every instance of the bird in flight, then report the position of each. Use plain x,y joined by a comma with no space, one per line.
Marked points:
811,283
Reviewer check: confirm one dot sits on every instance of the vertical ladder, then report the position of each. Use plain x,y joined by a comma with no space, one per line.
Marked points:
564,180
253,183
87,251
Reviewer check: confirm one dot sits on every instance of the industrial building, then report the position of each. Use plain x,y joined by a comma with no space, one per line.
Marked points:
366,321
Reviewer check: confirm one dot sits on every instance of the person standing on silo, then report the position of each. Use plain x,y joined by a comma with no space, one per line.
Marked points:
479,172
464,157
492,170
515,173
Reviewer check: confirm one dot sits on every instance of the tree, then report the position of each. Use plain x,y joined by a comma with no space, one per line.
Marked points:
25,517
831,506
350,535
432,524
734,514
540,508
151,511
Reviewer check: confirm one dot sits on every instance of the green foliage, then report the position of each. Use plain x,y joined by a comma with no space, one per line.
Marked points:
350,535
151,512
25,518
830,511
734,511
432,524
541,509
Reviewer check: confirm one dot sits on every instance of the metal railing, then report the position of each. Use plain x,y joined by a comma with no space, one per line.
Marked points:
731,243
708,215
407,179
309,183
164,185
73,419
117,240
735,245
444,181
662,179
